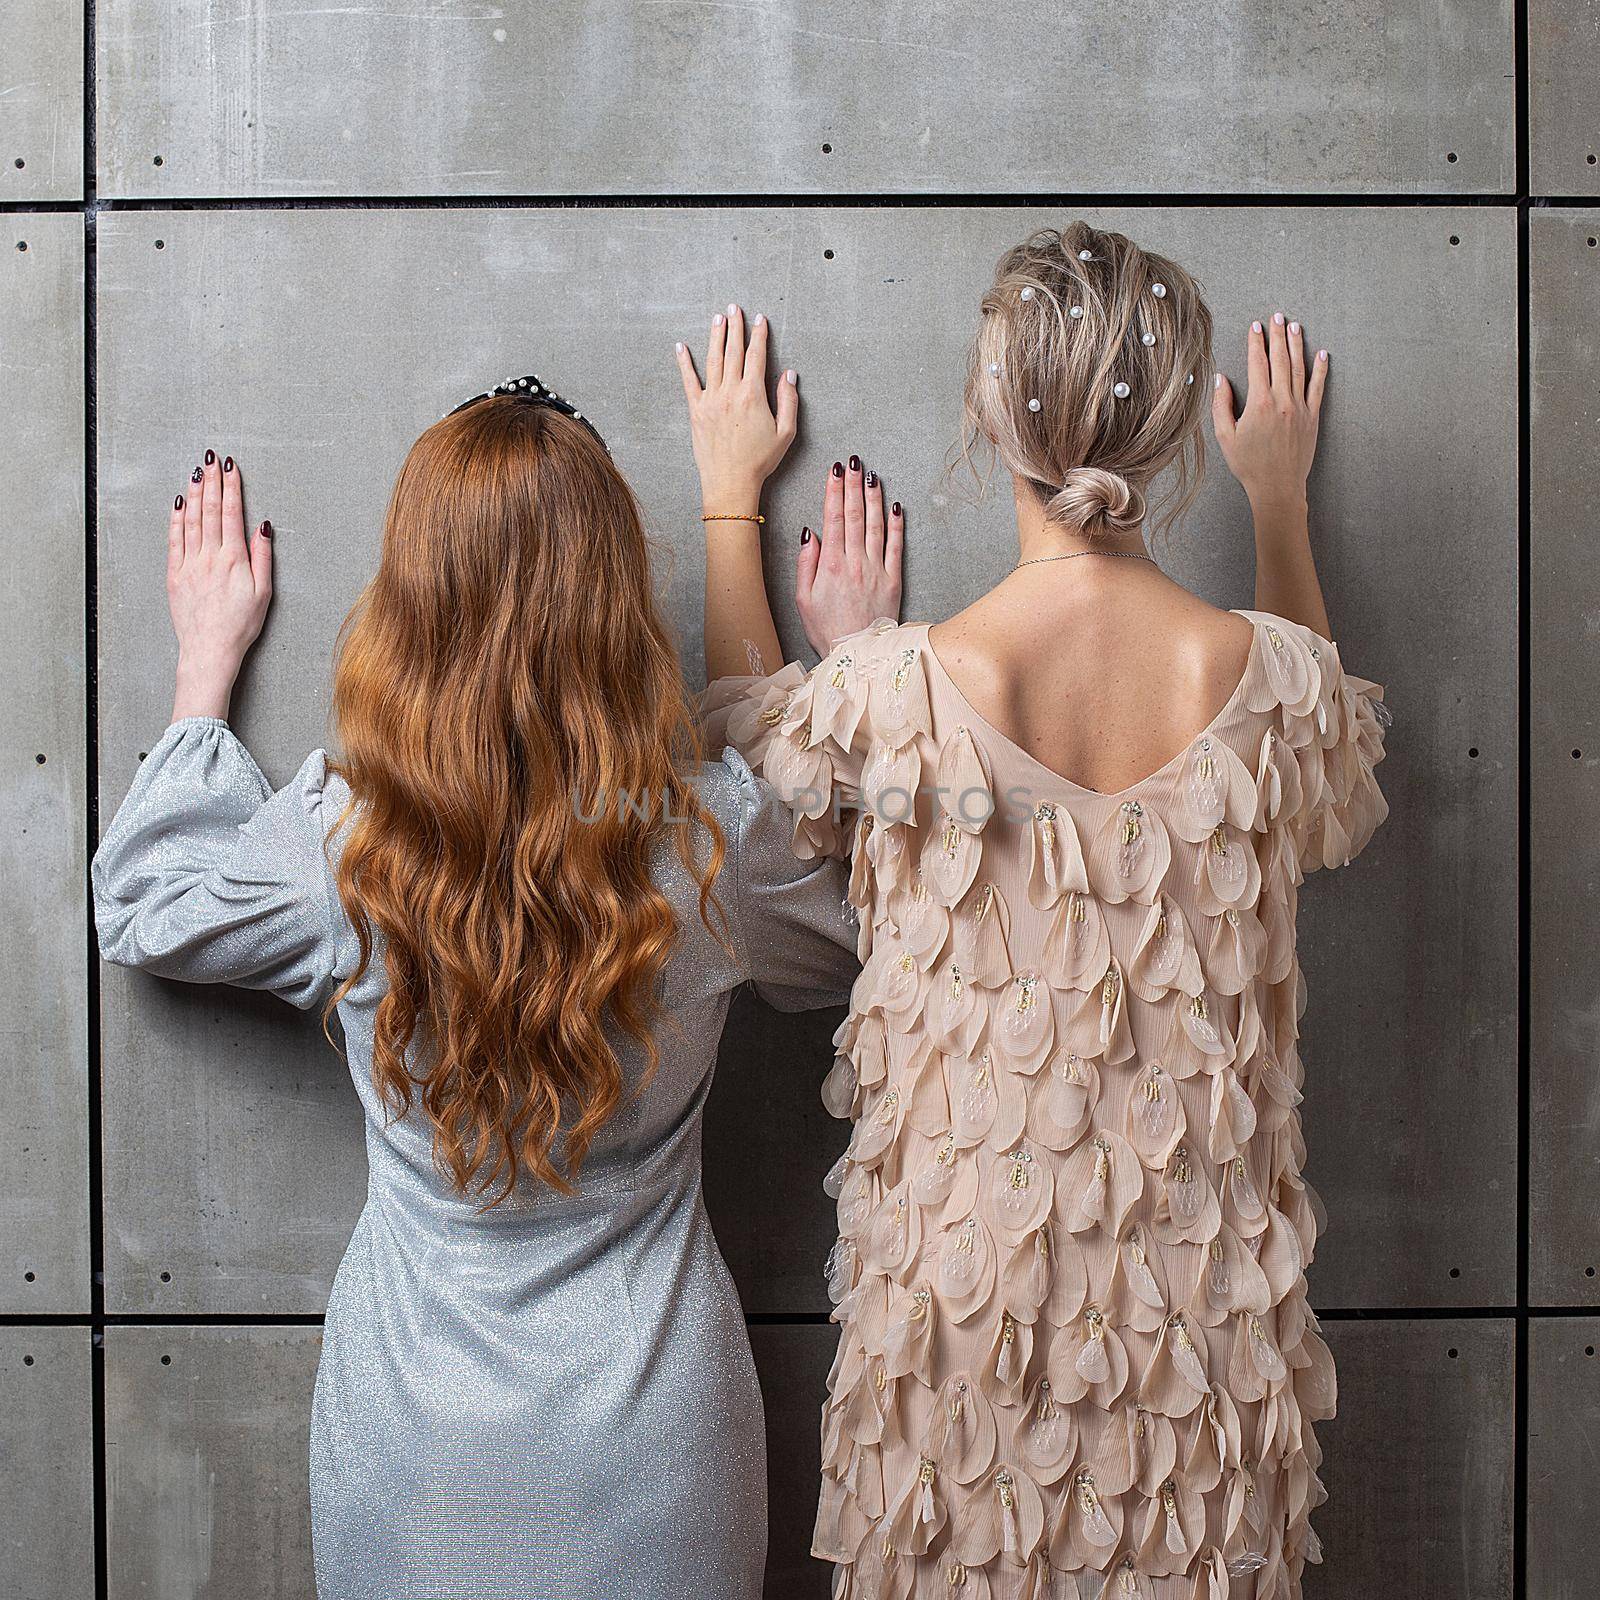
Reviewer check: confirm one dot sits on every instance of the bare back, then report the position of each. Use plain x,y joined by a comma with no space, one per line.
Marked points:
1103,674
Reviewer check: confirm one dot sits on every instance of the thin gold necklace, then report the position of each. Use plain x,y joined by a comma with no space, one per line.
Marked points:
1072,555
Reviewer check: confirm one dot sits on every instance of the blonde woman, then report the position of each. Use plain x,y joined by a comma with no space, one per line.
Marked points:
527,902
1076,1357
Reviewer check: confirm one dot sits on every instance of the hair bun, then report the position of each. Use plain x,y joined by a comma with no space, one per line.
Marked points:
1097,501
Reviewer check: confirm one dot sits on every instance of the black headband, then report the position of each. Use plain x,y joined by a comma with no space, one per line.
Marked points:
534,393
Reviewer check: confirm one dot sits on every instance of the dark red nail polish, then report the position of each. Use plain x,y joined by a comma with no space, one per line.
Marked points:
838,469
211,456
196,475
895,508
855,463
805,536
227,466
177,503
266,530
872,480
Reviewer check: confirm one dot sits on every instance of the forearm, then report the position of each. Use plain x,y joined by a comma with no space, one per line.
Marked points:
204,688
739,633
1286,571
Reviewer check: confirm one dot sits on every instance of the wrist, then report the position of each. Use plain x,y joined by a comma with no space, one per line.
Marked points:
203,687
1277,499
731,496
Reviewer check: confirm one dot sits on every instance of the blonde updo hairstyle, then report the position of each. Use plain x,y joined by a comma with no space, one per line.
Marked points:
1071,315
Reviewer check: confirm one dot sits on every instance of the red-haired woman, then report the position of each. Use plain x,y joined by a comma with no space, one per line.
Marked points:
527,903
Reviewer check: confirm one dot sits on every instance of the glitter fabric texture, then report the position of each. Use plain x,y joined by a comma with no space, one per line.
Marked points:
555,1397
1076,1358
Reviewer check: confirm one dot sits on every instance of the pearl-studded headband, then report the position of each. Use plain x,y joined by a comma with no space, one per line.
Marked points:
533,392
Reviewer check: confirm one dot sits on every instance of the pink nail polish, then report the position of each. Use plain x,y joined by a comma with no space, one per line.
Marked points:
1255,327
1277,317
1322,355
1294,327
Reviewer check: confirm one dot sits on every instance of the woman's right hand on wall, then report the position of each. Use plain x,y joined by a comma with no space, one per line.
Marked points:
850,577
1270,447
218,587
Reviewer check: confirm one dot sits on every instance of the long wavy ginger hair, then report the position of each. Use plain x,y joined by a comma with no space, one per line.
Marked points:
505,677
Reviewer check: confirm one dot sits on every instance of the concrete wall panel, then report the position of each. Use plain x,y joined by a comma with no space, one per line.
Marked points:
46,1464
1564,96
1418,1463
41,100
310,355
1563,1441
1564,991
822,96
44,1071
792,1362
1439,1392
768,1145
206,1462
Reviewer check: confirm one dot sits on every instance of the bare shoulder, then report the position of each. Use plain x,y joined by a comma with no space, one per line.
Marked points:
1200,644
1212,644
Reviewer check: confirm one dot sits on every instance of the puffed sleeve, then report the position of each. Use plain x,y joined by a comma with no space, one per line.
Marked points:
808,734
206,875
1338,740
793,931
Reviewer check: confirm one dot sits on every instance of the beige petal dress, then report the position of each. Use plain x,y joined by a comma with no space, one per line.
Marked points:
1076,1358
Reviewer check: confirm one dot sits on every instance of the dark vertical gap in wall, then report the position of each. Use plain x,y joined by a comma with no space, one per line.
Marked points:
1519,1403
97,1368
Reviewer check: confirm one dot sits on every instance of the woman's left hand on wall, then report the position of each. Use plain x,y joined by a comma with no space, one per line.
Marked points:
739,438
219,585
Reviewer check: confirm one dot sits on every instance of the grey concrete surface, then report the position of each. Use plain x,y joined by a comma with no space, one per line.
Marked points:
1564,986
41,100
792,1363
46,1464
206,1475
1418,1461
1563,1441
1564,96
312,360
768,1145
44,1067
449,97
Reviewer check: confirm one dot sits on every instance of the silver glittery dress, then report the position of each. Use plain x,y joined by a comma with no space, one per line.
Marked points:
554,1398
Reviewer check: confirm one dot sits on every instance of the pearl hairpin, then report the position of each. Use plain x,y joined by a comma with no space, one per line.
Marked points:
1187,381
1120,390
1027,294
994,369
1033,405
1147,338
1075,313
1159,290
1086,255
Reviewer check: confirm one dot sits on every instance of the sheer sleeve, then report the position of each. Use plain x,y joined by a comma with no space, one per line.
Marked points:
206,875
794,932
1336,728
